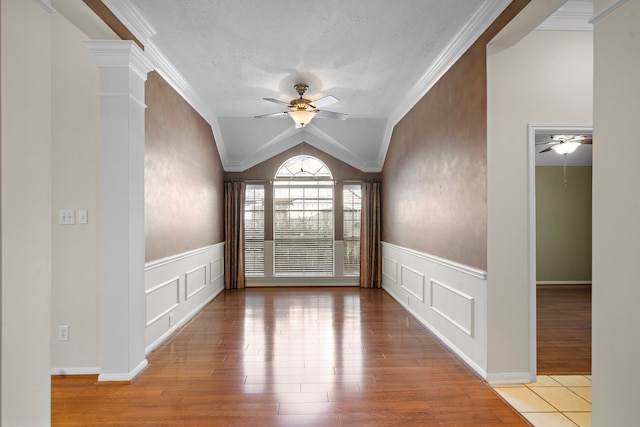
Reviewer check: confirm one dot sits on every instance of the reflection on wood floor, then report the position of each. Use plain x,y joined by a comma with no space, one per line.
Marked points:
564,329
292,357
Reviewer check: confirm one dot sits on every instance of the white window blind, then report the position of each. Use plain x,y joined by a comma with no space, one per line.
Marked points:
303,228
254,230
352,209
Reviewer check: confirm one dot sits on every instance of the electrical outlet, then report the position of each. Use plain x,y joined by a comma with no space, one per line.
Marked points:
171,321
63,333
66,217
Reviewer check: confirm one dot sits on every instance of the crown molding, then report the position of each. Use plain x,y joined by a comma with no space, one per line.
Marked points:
132,18
572,16
481,19
46,6
607,11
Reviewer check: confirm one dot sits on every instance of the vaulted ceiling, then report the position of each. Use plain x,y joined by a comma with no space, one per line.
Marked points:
376,56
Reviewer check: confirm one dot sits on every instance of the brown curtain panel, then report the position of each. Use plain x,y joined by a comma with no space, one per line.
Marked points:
370,247
234,235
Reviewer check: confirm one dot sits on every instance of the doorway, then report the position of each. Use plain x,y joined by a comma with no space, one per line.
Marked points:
560,252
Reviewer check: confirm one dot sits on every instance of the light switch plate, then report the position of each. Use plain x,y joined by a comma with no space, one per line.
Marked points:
83,216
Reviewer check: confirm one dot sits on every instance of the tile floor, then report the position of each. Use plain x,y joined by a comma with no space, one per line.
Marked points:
552,401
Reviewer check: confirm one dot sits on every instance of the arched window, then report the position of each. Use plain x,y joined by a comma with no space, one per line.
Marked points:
303,219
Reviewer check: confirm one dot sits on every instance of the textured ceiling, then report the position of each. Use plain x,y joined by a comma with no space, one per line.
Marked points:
376,56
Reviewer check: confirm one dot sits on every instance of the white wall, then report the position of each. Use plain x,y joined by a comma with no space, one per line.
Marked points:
74,185
616,210
26,213
545,78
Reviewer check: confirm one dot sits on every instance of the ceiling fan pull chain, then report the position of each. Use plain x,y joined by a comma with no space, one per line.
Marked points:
564,172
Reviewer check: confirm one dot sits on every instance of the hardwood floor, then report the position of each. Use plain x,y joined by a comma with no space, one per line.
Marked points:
292,357
564,329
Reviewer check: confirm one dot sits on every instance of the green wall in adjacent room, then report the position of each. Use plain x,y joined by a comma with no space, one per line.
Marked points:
563,224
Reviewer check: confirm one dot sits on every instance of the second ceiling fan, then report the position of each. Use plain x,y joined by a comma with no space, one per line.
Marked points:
302,110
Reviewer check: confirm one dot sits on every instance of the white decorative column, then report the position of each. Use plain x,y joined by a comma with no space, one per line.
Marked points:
121,253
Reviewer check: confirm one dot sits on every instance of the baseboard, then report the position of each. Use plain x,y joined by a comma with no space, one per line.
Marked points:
89,370
510,378
124,377
257,282
563,282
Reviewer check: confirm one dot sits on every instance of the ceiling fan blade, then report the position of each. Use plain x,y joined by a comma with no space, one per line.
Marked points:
545,150
331,115
323,102
587,140
271,115
277,101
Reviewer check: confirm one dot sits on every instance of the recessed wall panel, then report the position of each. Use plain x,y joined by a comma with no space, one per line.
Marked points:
195,280
390,269
453,305
412,282
162,299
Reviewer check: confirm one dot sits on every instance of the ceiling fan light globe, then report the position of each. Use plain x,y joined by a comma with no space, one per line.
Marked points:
302,117
565,147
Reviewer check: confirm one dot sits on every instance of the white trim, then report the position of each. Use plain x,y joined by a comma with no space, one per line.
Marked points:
88,370
563,282
171,259
124,377
170,308
571,16
607,11
120,54
186,281
286,281
440,336
123,95
182,321
511,378
386,273
416,273
472,271
46,6
469,298
482,18
132,18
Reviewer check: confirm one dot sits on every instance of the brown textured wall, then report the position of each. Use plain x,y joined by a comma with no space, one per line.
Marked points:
184,190
266,171
434,180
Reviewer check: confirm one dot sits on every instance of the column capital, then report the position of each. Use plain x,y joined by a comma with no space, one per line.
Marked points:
120,54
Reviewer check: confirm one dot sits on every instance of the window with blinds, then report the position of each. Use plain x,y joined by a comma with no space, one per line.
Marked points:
254,230
303,225
352,208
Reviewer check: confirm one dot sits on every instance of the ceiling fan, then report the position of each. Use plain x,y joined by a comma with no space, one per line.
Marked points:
302,110
565,144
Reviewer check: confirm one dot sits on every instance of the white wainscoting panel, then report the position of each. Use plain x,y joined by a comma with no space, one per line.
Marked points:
449,298
195,280
412,281
162,299
390,269
178,287
216,267
453,305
